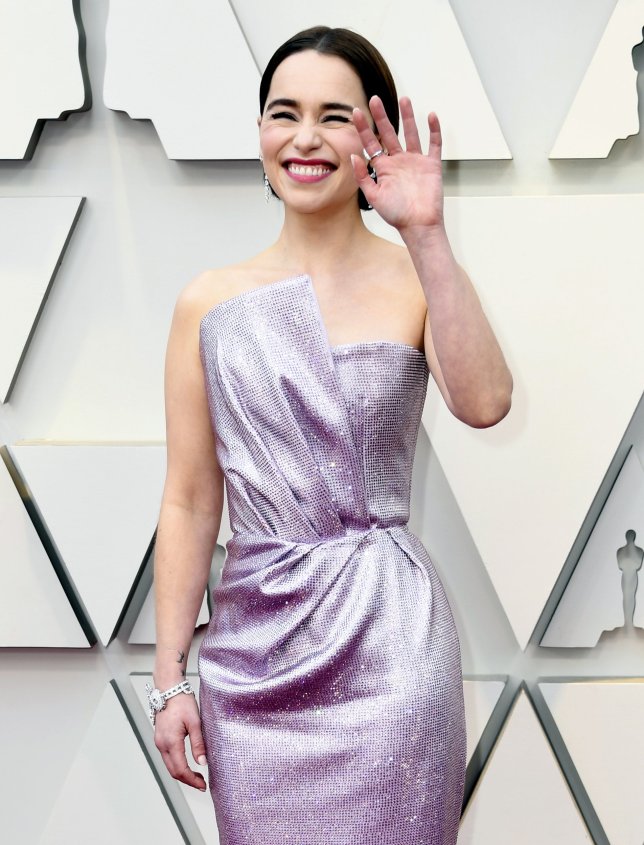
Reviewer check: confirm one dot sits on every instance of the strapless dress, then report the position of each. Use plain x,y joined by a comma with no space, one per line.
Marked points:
331,692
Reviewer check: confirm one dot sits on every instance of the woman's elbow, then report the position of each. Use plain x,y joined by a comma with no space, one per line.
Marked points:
489,412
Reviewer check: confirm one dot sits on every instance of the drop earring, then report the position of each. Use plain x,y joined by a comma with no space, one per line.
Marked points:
267,184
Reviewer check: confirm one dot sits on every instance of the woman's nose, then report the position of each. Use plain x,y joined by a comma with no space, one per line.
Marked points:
307,136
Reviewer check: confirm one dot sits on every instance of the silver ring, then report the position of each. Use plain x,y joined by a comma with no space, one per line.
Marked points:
376,154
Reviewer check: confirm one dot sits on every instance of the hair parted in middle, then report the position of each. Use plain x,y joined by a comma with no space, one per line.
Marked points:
357,52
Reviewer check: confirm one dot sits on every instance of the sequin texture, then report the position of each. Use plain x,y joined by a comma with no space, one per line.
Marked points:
331,691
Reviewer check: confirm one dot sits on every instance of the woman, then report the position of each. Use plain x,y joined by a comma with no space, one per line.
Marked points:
331,692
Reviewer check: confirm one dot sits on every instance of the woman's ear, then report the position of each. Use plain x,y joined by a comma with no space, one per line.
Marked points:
259,121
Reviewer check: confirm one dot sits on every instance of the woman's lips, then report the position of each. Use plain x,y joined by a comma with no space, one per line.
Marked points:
308,171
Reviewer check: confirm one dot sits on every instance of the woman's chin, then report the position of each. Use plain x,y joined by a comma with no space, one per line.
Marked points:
317,202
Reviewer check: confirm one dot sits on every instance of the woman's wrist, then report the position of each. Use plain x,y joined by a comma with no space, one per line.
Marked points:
170,666
165,682
417,237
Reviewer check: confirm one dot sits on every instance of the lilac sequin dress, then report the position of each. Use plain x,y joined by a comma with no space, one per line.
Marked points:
331,692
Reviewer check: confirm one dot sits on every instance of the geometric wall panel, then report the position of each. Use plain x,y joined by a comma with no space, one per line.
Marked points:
72,692
111,794
522,796
186,66
481,697
144,630
593,600
100,504
34,233
609,761
199,803
525,486
605,106
430,61
42,72
34,611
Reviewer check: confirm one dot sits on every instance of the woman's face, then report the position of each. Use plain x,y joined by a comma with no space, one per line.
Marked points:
306,132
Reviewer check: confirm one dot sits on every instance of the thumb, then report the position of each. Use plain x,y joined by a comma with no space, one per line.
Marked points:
197,745
365,182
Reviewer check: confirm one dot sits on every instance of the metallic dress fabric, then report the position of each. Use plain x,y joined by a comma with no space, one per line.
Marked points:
331,692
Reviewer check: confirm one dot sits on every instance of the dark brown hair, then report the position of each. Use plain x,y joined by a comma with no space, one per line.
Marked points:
356,51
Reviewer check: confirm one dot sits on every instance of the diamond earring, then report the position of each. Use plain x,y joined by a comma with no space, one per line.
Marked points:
267,188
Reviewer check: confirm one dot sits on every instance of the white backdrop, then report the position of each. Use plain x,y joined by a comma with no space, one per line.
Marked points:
91,378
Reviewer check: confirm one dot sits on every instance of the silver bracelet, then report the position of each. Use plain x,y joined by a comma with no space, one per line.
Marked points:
157,699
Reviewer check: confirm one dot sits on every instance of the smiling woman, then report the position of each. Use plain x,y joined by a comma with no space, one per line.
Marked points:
296,129
353,51
331,701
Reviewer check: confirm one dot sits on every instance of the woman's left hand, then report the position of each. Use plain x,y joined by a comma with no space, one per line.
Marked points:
409,190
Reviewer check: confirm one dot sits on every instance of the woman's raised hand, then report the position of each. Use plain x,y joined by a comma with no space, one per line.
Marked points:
409,190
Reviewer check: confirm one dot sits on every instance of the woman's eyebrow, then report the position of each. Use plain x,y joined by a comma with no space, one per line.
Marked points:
337,107
282,101
293,104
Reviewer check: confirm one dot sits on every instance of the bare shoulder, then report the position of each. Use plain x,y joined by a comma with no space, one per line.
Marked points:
213,286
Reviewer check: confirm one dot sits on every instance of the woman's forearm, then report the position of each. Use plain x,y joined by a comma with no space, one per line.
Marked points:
184,546
471,361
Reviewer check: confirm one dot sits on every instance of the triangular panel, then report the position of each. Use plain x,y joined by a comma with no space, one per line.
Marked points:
605,106
42,70
111,794
100,504
34,233
429,59
609,761
34,611
525,486
522,796
189,71
593,600
199,803
481,697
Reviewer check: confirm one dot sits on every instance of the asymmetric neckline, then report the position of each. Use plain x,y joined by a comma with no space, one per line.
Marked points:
306,279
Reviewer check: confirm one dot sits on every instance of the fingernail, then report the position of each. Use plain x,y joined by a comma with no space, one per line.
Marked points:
202,761
202,788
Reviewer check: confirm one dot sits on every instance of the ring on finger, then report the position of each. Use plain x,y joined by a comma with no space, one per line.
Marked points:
377,153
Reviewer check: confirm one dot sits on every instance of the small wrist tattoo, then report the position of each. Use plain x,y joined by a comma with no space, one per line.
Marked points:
180,657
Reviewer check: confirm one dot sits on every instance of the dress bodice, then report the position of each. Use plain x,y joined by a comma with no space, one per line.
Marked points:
314,441
384,388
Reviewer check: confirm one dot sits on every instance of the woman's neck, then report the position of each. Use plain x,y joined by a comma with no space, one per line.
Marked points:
321,243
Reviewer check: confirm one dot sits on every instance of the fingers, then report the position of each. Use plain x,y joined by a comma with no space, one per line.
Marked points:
435,136
197,745
177,764
169,738
388,138
412,139
367,137
365,182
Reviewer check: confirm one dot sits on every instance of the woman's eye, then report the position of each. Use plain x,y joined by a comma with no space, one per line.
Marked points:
282,115
336,117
